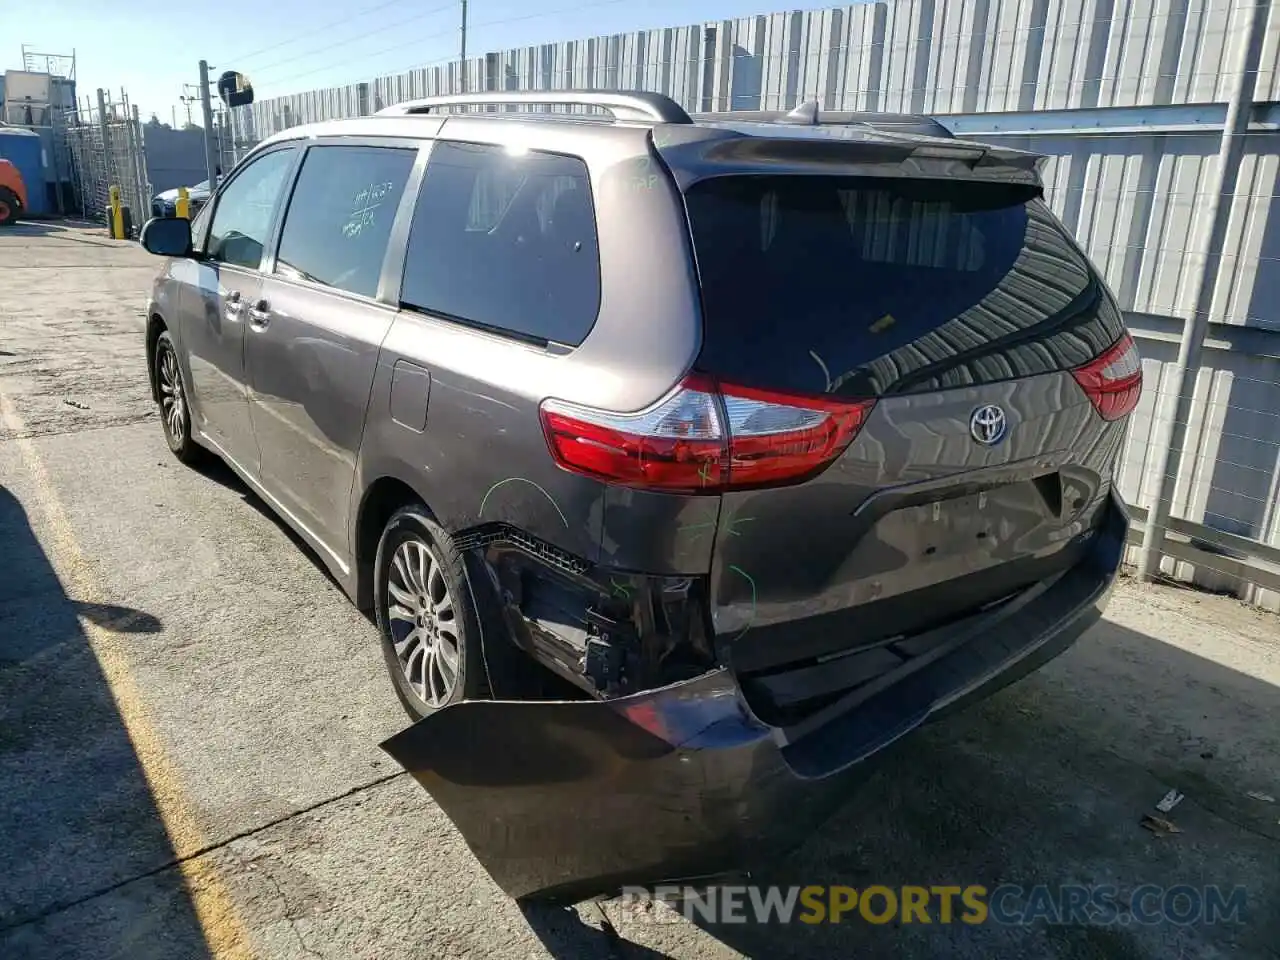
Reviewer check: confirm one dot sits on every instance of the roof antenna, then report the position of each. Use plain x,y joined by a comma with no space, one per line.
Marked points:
806,113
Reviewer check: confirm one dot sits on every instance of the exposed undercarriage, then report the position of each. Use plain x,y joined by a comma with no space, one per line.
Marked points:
609,634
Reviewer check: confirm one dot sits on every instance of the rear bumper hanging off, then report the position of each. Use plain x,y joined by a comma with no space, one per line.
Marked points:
571,799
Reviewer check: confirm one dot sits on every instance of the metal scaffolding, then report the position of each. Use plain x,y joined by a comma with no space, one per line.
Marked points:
106,147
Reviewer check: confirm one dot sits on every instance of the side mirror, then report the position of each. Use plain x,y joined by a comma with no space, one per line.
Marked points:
167,237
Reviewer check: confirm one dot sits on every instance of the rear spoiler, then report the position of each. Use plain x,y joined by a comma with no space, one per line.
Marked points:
896,144
726,146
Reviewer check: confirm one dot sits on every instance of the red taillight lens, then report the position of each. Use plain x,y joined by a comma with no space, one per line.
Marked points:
774,438
705,437
677,444
1113,381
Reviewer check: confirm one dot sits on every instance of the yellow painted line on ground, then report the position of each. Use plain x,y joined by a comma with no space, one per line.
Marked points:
224,931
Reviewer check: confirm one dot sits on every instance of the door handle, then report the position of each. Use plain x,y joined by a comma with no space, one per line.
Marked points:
232,306
259,315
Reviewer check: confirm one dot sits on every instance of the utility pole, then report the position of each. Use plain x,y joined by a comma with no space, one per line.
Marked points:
463,75
206,112
187,100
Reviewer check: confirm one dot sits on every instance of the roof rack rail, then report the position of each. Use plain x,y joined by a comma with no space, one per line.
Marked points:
623,104
810,114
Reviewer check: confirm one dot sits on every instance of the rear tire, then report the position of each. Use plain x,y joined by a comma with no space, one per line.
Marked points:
171,392
10,207
426,615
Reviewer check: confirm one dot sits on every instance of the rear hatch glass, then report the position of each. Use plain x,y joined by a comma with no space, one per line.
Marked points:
865,287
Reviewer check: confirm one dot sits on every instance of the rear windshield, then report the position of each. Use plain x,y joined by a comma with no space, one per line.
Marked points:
865,287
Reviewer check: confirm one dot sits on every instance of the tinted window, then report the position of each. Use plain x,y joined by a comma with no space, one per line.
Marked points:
864,287
242,218
340,216
506,241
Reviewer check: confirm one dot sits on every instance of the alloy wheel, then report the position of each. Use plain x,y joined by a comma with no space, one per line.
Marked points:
173,403
424,627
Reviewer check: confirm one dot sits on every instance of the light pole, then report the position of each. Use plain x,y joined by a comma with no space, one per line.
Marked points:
463,67
206,114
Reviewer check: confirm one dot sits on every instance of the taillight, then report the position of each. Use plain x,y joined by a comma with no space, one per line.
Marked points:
1113,380
775,437
705,436
677,444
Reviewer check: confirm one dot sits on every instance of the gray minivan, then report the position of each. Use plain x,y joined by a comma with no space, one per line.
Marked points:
685,464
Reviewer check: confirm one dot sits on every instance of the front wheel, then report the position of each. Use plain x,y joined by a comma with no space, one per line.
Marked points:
175,412
10,206
426,615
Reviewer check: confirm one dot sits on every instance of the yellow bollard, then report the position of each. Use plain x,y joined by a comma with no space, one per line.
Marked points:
116,226
183,207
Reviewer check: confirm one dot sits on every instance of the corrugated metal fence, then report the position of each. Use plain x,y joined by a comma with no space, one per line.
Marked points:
1128,102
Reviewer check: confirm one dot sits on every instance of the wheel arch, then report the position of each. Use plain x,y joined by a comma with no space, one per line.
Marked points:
382,497
155,327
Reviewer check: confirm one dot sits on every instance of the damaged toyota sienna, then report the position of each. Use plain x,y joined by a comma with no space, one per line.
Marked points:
685,463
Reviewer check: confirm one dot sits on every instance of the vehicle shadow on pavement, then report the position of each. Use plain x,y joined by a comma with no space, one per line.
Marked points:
215,469
1047,783
83,848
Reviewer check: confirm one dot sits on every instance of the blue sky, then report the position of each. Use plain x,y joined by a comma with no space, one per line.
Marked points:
151,47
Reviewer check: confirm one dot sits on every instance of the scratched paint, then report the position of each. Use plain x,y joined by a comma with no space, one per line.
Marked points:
485,498
733,530
695,531
637,176
825,372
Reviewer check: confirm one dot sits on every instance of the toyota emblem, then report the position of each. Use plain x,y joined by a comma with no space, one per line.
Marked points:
988,425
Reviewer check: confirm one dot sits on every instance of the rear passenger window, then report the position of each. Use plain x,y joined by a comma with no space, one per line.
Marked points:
506,241
339,220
